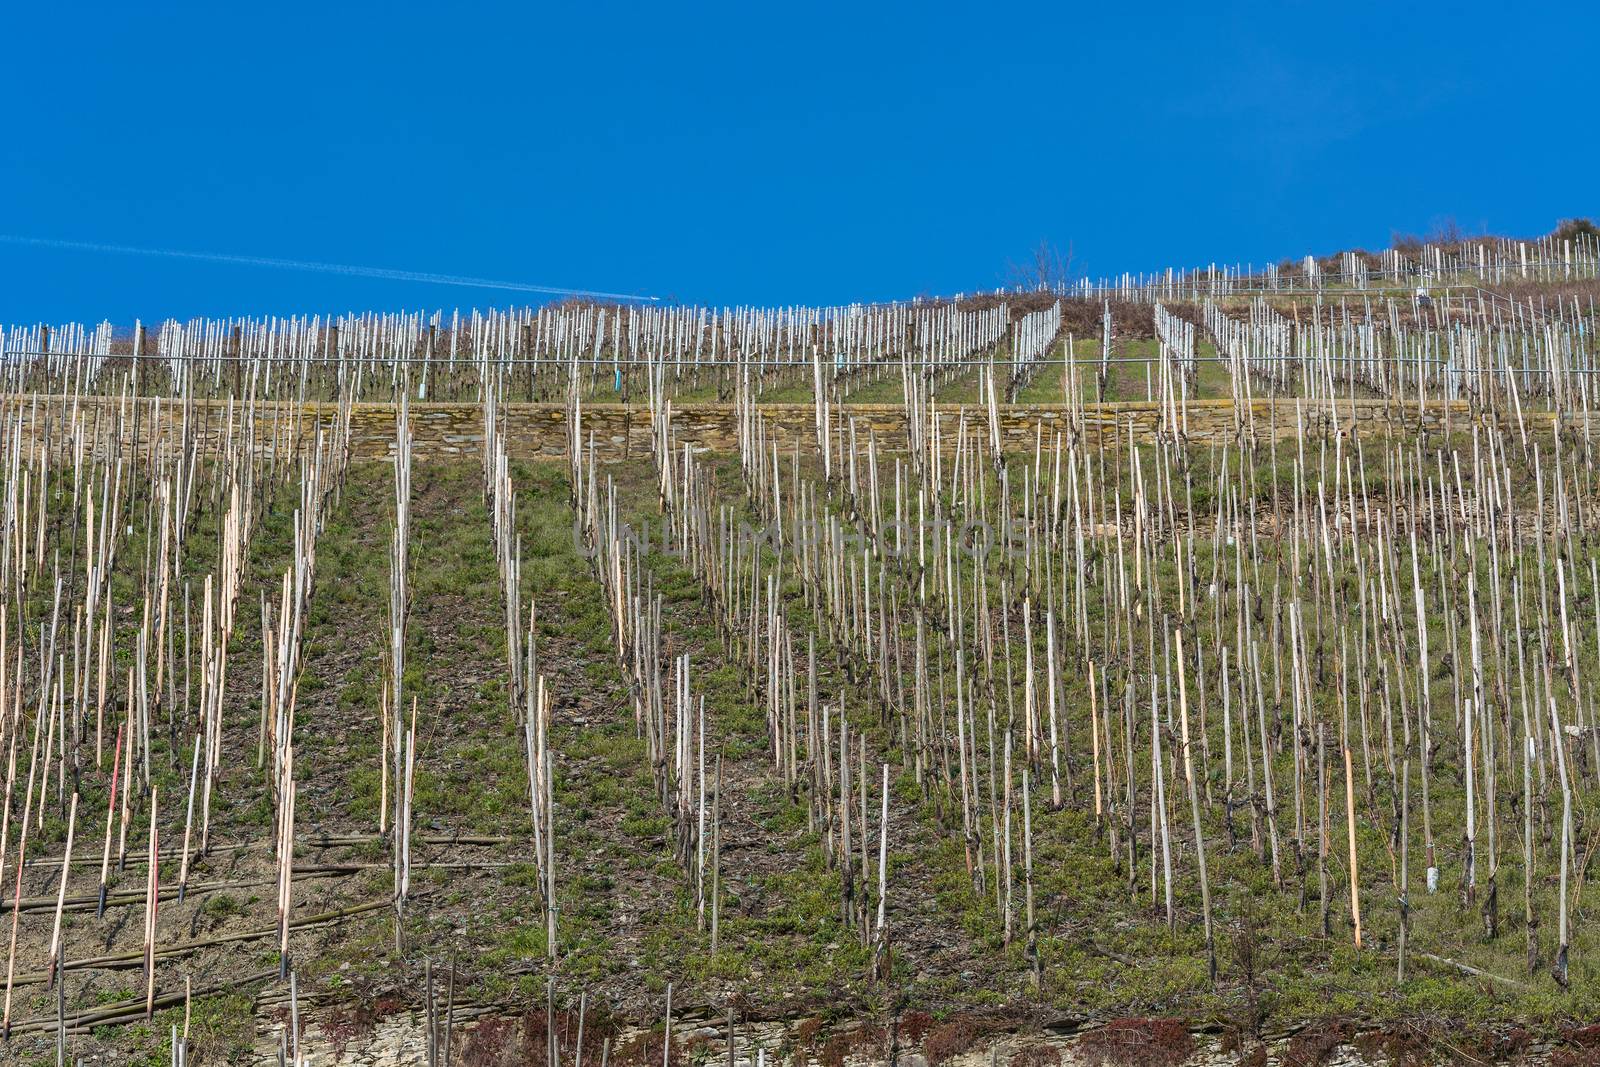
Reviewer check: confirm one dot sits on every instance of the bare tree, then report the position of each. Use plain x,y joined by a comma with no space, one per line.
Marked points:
1046,269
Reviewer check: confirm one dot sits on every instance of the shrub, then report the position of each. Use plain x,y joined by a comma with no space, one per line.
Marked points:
1036,1056
1574,229
959,1035
1125,1042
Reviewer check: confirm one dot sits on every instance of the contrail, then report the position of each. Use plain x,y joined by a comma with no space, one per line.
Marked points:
322,268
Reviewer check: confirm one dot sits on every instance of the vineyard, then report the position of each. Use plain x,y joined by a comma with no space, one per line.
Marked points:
1195,661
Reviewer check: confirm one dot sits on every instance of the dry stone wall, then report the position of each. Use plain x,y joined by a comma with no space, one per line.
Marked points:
447,430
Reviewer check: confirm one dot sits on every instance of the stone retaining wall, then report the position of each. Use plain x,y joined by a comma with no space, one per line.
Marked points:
443,430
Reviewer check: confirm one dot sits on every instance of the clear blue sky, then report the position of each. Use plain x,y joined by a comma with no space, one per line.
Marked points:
759,153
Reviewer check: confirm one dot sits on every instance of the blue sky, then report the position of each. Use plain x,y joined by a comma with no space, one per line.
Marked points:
758,153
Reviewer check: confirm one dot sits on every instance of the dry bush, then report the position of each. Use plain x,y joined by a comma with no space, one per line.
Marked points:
1575,1057
862,1040
914,1026
524,1042
1126,1042
1036,1056
647,1049
493,1043
834,1050
1398,1047
805,1034
346,1022
1500,1046
961,1034
1129,319
1445,233
1580,1048
1255,1057
1312,1046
